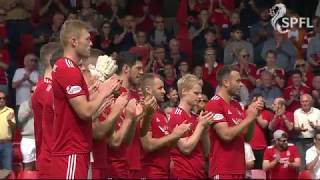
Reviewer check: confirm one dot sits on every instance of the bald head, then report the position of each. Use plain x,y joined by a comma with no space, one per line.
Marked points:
306,102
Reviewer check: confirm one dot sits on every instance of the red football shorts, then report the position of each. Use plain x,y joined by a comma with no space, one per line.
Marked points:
74,166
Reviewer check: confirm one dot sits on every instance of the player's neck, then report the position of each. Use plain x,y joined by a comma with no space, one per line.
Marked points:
72,55
125,81
47,73
185,106
224,95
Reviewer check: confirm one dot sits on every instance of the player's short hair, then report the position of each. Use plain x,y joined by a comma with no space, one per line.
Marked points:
126,58
55,56
148,80
223,73
46,52
187,82
71,28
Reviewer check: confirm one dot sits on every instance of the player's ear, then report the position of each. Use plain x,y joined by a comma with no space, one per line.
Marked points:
125,68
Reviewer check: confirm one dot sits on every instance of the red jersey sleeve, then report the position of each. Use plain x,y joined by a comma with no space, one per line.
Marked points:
216,108
70,78
268,154
286,93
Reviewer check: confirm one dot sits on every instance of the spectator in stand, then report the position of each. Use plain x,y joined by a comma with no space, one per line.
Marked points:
281,160
146,12
183,69
249,13
169,12
113,12
235,21
25,78
234,44
259,140
267,90
174,54
199,27
142,48
104,41
293,92
296,35
248,71
72,15
207,89
278,74
169,74
316,90
286,52
157,60
45,10
312,156
307,74
49,32
159,36
199,107
3,28
172,98
220,12
86,10
211,67
210,41
27,144
281,119
306,122
7,125
124,39
313,51
259,33
4,65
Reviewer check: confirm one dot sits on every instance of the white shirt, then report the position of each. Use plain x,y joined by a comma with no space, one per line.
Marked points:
311,154
249,156
303,118
23,91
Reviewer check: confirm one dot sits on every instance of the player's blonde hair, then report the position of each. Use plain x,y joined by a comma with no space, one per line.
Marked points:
71,28
187,82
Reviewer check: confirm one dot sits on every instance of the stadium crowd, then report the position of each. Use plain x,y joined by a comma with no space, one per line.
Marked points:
202,89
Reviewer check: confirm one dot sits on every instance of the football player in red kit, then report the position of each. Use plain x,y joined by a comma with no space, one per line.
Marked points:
227,160
72,128
158,140
188,157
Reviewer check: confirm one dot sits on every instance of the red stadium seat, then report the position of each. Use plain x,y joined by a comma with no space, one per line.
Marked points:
305,175
28,175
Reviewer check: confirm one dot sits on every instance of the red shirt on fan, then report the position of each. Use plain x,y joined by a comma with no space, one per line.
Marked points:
227,158
156,164
71,134
245,80
296,103
306,78
281,170
277,72
211,77
186,166
280,124
258,140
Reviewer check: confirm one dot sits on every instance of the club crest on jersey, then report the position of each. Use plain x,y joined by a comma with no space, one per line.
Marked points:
73,89
218,117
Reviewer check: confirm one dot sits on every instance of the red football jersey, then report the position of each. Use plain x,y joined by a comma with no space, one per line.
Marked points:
71,134
47,125
226,157
37,101
281,170
258,140
280,122
190,166
295,104
5,58
156,164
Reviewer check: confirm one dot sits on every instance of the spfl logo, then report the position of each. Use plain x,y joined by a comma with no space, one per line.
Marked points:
282,23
